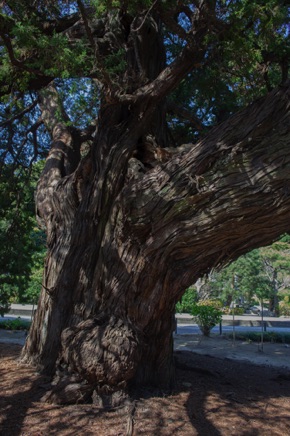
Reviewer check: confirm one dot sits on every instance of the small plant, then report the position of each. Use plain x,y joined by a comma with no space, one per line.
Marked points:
207,315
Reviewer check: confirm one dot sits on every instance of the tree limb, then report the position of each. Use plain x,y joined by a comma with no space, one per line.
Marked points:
191,57
104,75
183,113
227,195
20,114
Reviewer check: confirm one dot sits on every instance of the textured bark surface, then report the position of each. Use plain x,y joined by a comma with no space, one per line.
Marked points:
131,224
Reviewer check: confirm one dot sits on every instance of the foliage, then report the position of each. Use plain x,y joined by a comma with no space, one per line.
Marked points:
207,315
187,302
250,278
276,261
39,47
32,290
248,62
217,304
54,48
234,311
15,226
20,240
242,280
4,300
256,337
14,324
210,93
284,306
260,274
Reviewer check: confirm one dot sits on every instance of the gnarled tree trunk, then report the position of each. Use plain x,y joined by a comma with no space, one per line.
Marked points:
123,245
130,224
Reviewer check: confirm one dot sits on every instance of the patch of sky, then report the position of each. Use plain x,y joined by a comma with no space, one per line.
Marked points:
184,21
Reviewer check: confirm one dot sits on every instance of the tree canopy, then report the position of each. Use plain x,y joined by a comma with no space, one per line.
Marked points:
226,54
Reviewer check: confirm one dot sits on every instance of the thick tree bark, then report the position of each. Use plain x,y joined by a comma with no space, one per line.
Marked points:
124,245
132,224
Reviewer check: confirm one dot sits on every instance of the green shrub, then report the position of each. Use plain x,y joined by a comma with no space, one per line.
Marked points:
284,306
187,302
14,324
256,336
235,311
217,304
207,315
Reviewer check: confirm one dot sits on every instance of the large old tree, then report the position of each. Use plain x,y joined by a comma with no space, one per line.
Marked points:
172,175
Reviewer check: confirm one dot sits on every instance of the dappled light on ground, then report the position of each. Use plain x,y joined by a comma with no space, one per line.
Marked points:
213,396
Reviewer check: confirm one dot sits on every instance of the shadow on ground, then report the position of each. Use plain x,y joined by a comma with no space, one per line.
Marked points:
213,396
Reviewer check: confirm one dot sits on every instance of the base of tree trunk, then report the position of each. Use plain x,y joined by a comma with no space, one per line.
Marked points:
70,389
104,361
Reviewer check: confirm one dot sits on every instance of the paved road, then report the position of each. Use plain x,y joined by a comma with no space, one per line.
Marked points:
11,317
187,328
186,325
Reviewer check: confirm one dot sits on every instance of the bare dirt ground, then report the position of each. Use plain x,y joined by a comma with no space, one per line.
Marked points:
213,396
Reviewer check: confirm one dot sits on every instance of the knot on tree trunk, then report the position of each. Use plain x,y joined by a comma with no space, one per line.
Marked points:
105,352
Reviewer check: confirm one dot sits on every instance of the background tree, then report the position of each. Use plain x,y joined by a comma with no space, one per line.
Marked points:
132,216
262,273
188,301
18,241
242,280
276,262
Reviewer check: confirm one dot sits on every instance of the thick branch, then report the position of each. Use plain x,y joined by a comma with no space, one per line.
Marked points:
191,57
229,194
64,155
103,73
167,80
14,61
172,75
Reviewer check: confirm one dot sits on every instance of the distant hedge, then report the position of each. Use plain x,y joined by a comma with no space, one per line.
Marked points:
275,337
